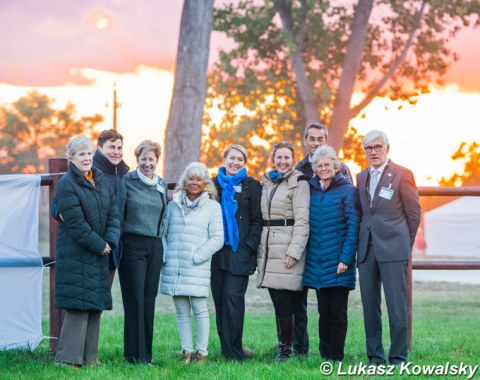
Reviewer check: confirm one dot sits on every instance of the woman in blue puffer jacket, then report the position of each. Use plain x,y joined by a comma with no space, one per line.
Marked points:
330,264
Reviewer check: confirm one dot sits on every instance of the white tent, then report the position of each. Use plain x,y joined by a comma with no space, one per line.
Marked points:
453,229
20,262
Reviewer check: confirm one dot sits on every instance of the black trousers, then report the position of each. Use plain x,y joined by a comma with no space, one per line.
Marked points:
139,274
228,292
288,303
300,334
332,321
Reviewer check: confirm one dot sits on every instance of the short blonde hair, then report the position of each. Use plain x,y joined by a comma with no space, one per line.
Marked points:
147,146
199,170
78,143
240,148
325,151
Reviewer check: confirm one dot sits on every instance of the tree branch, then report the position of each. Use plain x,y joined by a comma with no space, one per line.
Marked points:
396,64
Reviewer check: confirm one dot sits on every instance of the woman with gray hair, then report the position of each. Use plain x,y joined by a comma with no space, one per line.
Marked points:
331,249
89,229
194,232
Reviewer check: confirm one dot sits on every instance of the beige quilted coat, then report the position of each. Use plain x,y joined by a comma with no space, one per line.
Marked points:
290,200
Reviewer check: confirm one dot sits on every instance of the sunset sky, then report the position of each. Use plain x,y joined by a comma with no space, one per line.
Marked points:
76,50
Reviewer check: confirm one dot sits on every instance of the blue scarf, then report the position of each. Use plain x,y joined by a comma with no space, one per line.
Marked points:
274,175
230,205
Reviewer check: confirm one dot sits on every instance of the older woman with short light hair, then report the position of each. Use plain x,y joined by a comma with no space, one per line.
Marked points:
194,232
331,250
89,229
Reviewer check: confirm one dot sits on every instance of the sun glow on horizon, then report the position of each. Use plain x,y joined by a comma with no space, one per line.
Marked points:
144,94
422,137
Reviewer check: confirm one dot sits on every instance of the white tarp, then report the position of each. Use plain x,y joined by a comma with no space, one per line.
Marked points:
453,229
20,262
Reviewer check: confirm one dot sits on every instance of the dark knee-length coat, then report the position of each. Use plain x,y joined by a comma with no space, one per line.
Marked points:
90,221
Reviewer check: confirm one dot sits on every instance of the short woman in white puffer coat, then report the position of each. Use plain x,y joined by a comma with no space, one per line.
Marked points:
193,233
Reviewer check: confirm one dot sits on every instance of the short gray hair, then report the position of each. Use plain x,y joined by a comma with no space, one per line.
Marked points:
78,143
325,151
200,170
374,134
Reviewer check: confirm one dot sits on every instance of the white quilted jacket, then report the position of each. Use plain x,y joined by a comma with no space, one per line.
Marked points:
190,242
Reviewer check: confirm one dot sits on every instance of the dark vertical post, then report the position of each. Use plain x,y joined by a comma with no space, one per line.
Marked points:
55,165
115,106
409,301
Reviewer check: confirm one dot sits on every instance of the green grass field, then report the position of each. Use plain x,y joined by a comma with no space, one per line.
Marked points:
446,320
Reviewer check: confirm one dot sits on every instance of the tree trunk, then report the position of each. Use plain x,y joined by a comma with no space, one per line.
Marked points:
341,114
184,131
305,89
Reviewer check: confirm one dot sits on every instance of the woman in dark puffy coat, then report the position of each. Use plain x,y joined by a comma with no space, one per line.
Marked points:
330,265
89,229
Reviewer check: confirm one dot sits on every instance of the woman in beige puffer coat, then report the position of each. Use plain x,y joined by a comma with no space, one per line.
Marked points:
281,254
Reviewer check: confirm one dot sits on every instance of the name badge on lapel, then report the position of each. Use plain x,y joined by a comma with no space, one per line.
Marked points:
237,188
386,192
160,188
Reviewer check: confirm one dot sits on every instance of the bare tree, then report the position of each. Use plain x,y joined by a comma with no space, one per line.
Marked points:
183,134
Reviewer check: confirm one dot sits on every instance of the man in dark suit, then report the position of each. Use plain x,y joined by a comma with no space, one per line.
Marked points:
390,219
316,135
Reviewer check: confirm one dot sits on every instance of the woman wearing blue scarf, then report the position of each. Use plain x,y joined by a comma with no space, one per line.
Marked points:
231,266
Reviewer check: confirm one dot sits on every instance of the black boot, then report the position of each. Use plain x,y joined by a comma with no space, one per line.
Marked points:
286,327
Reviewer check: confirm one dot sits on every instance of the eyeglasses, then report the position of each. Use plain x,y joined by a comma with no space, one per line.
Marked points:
283,144
369,149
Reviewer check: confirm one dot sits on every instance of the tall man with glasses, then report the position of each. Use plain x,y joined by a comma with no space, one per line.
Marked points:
390,219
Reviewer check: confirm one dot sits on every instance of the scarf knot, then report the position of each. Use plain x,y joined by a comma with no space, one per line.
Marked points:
274,175
230,205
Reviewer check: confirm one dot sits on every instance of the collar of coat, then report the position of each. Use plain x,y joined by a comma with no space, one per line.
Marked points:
292,178
304,162
101,162
161,181
80,178
177,198
337,181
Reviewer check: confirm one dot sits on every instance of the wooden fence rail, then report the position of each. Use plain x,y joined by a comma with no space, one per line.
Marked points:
57,166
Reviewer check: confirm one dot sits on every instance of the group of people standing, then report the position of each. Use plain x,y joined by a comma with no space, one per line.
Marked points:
303,227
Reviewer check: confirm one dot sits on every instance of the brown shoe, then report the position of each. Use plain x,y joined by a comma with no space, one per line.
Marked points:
198,357
249,354
187,357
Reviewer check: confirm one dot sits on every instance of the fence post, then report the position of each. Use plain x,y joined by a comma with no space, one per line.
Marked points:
409,301
55,165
